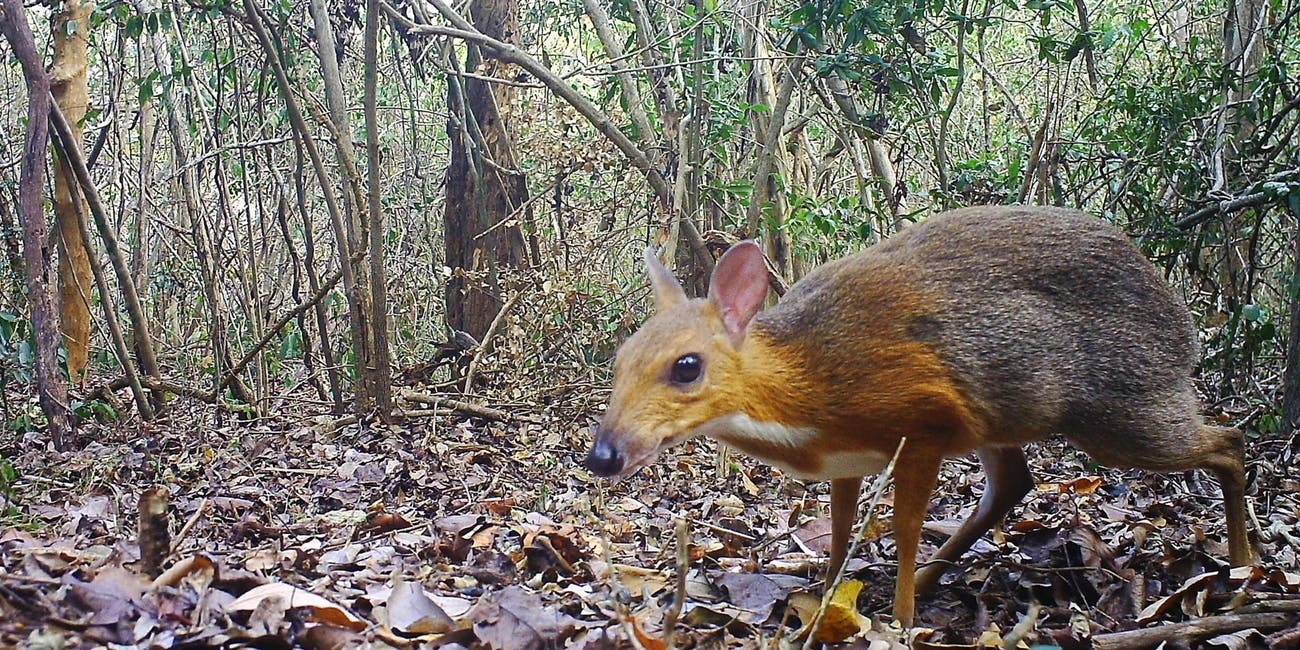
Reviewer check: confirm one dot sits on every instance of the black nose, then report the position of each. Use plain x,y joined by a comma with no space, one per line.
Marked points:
604,459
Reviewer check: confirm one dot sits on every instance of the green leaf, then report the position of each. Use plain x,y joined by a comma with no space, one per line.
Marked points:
134,26
291,347
146,87
26,353
8,474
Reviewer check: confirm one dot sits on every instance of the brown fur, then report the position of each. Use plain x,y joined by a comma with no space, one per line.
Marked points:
976,330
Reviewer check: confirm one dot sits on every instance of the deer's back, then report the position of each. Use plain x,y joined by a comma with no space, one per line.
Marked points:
1047,318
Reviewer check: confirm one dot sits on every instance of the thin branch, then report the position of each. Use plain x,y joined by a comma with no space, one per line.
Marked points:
1198,628
487,338
1234,204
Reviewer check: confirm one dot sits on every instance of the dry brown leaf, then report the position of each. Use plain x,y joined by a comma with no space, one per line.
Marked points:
499,507
190,565
411,611
990,638
1285,580
757,594
111,596
1096,552
746,483
516,619
1080,485
647,642
639,580
382,522
1187,592
1239,640
329,637
815,535
322,610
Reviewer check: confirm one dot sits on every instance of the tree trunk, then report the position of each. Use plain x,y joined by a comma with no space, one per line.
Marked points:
76,283
380,370
1243,48
83,195
1291,373
51,391
373,374
487,196
313,279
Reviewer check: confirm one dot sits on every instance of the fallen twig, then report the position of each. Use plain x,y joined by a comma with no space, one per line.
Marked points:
1194,629
487,338
467,408
189,525
683,567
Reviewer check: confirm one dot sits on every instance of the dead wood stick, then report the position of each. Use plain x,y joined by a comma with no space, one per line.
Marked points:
468,408
683,567
487,339
155,539
1194,629
190,523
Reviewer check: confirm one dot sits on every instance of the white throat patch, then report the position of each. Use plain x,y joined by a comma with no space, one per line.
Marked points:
738,428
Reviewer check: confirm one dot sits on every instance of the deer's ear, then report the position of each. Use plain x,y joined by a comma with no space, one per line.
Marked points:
739,287
667,290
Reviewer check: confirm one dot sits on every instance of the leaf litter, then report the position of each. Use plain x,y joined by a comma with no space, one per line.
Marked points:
468,534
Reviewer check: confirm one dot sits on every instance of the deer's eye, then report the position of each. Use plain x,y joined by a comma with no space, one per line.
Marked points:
687,369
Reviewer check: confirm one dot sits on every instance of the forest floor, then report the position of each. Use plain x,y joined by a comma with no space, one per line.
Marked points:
451,531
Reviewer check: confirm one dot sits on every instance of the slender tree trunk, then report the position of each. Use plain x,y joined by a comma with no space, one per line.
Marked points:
771,164
357,234
115,336
76,170
313,281
945,114
141,251
1085,32
76,284
484,184
381,372
626,82
51,391
1291,374
1243,48
357,310
886,177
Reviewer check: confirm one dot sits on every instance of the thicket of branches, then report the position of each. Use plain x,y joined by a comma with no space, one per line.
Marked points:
236,178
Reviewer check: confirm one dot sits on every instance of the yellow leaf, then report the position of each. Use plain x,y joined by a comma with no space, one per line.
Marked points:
841,620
